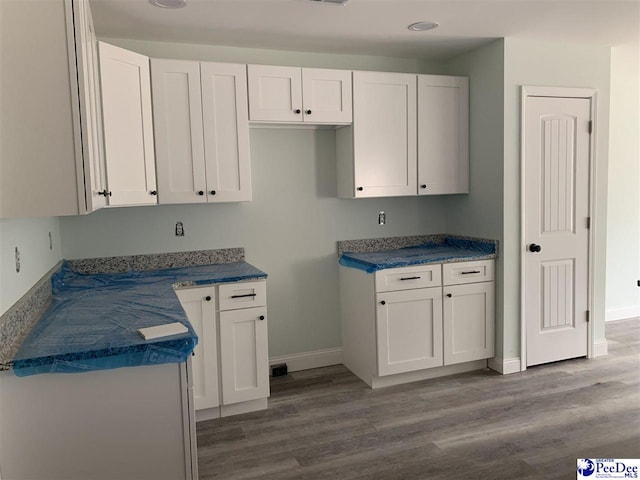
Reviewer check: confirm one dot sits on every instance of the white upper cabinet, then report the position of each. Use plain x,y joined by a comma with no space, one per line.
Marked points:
326,95
201,131
443,134
377,156
179,134
226,132
90,108
127,124
294,95
50,138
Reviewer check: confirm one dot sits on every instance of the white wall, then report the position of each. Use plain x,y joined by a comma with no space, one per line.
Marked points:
31,236
529,62
289,230
623,211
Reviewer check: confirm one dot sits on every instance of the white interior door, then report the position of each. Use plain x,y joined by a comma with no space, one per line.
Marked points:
556,238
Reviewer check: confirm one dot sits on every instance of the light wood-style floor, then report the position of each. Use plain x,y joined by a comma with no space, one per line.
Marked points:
327,424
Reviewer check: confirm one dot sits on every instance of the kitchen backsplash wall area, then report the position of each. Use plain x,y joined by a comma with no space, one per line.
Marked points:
29,248
289,230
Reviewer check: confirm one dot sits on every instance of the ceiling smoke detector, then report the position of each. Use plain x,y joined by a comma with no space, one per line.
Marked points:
168,3
333,2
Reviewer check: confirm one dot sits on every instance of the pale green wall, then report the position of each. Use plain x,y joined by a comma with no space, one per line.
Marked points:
289,230
31,236
623,212
529,62
480,212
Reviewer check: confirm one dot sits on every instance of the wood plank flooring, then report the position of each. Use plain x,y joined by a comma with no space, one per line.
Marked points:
327,424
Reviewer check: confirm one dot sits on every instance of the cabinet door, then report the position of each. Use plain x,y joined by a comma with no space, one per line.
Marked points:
226,132
275,93
468,322
202,316
443,139
90,107
244,359
177,123
409,330
326,95
127,124
384,134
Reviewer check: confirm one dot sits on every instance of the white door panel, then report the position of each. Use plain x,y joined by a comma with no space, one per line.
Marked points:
556,207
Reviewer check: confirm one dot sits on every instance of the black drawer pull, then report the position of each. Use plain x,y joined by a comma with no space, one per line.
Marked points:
410,278
245,295
449,295
472,271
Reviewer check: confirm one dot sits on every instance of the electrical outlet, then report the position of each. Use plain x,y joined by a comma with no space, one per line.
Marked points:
17,254
179,229
382,218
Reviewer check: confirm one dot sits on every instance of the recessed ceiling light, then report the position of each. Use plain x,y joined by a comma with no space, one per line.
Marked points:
423,26
168,3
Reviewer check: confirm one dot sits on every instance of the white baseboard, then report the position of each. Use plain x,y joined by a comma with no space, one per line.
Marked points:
505,366
308,360
600,348
622,313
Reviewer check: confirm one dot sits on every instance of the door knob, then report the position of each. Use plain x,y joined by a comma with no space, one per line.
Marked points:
534,248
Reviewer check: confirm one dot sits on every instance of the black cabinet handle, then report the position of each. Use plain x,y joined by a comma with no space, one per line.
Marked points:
245,295
308,112
261,317
297,111
208,298
383,302
105,193
360,189
534,248
410,278
201,193
153,192
212,192
423,186
472,271
449,295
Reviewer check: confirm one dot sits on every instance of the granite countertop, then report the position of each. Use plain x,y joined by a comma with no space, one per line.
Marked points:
442,250
93,319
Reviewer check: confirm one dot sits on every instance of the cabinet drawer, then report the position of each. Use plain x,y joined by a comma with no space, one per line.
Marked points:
467,272
407,278
232,296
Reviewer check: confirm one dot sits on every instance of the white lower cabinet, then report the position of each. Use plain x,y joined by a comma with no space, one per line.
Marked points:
231,361
402,324
409,330
243,353
469,325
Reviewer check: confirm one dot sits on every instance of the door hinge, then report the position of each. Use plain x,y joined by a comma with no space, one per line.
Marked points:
590,127
588,222
588,316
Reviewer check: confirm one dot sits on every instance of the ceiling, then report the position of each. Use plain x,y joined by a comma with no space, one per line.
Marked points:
370,27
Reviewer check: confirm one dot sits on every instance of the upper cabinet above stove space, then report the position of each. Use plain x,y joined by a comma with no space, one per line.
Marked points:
299,95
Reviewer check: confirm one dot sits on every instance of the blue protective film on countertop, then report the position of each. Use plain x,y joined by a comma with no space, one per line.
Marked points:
452,250
93,320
